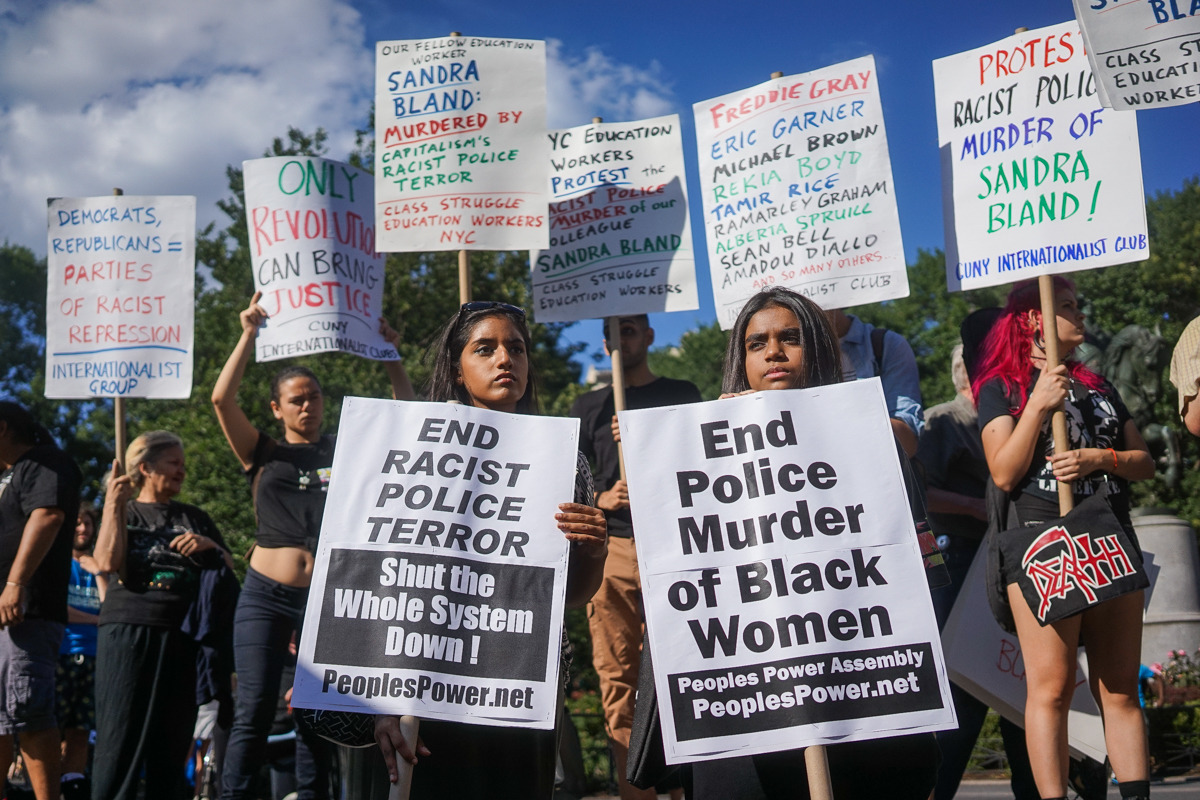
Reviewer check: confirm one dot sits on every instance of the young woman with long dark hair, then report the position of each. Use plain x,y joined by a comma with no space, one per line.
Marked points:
482,359
1016,396
288,478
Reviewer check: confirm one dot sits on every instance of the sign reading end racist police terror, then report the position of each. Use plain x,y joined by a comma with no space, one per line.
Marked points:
786,600
441,575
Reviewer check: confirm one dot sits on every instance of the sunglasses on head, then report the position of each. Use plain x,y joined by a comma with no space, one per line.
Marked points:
486,305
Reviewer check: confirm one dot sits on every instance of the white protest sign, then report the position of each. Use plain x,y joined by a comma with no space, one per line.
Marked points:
441,574
786,600
120,289
797,189
620,240
312,246
1037,178
986,661
460,144
1146,54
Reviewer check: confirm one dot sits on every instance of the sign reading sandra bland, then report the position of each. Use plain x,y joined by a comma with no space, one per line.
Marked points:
786,599
441,574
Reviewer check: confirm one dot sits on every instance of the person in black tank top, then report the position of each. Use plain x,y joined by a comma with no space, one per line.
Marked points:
288,478
1016,396
482,359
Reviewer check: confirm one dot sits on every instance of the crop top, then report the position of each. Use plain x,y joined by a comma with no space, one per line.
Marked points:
289,484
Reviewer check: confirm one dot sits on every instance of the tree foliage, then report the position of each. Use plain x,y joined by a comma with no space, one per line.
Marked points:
700,358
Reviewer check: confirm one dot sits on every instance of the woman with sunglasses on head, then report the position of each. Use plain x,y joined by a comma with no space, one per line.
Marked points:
782,340
1016,396
483,360
288,478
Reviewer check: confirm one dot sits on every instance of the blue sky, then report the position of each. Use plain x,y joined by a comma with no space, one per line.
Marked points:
158,97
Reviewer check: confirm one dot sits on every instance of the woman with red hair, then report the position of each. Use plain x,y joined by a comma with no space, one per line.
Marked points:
1016,396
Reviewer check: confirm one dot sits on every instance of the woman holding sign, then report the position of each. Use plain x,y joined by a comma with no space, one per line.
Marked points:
782,340
288,478
482,359
1016,397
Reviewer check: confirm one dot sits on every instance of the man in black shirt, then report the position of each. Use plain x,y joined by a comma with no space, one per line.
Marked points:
39,501
615,614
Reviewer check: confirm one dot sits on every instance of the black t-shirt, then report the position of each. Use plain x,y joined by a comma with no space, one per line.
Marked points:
289,482
951,455
595,411
159,583
44,477
1095,418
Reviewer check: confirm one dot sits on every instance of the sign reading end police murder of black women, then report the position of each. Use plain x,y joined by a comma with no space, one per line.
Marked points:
786,600
120,285
620,240
1145,55
1037,177
797,189
460,144
312,242
441,573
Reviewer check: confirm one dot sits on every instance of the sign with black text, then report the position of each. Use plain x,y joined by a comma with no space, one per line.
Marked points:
441,574
786,599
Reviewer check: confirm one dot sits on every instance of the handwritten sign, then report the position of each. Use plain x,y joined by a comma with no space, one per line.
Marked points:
312,246
120,289
440,579
460,144
620,240
797,189
1037,178
1145,54
786,601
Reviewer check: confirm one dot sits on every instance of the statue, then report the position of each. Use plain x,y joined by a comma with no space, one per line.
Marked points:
1134,360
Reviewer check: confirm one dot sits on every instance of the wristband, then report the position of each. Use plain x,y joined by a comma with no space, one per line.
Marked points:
1114,455
18,585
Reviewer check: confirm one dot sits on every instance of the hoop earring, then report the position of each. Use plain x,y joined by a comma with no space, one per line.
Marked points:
1039,341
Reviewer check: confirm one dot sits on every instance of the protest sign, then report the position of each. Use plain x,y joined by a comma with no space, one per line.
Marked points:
460,144
785,596
797,189
620,240
120,287
440,577
312,248
1145,54
1037,178
986,661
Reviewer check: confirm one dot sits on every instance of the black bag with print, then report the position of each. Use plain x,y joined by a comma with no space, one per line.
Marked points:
1067,565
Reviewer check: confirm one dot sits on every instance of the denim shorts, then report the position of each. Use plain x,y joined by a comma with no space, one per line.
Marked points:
28,660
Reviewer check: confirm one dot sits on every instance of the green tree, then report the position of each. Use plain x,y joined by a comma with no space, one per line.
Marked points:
699,358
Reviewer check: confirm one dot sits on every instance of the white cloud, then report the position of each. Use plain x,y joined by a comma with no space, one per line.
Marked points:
593,85
159,96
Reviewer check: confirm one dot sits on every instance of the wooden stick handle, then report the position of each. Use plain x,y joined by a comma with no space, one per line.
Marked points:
409,728
613,335
464,276
820,786
1058,420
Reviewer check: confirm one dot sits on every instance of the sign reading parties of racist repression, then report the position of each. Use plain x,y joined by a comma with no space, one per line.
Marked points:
121,274
786,599
460,144
441,573
1037,177
1144,54
312,244
620,239
797,190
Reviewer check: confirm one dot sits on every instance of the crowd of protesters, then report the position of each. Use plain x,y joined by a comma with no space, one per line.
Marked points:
125,624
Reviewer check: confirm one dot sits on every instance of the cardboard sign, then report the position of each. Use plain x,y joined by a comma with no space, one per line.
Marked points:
785,596
120,296
441,574
1145,54
1037,177
312,245
460,144
620,240
797,188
